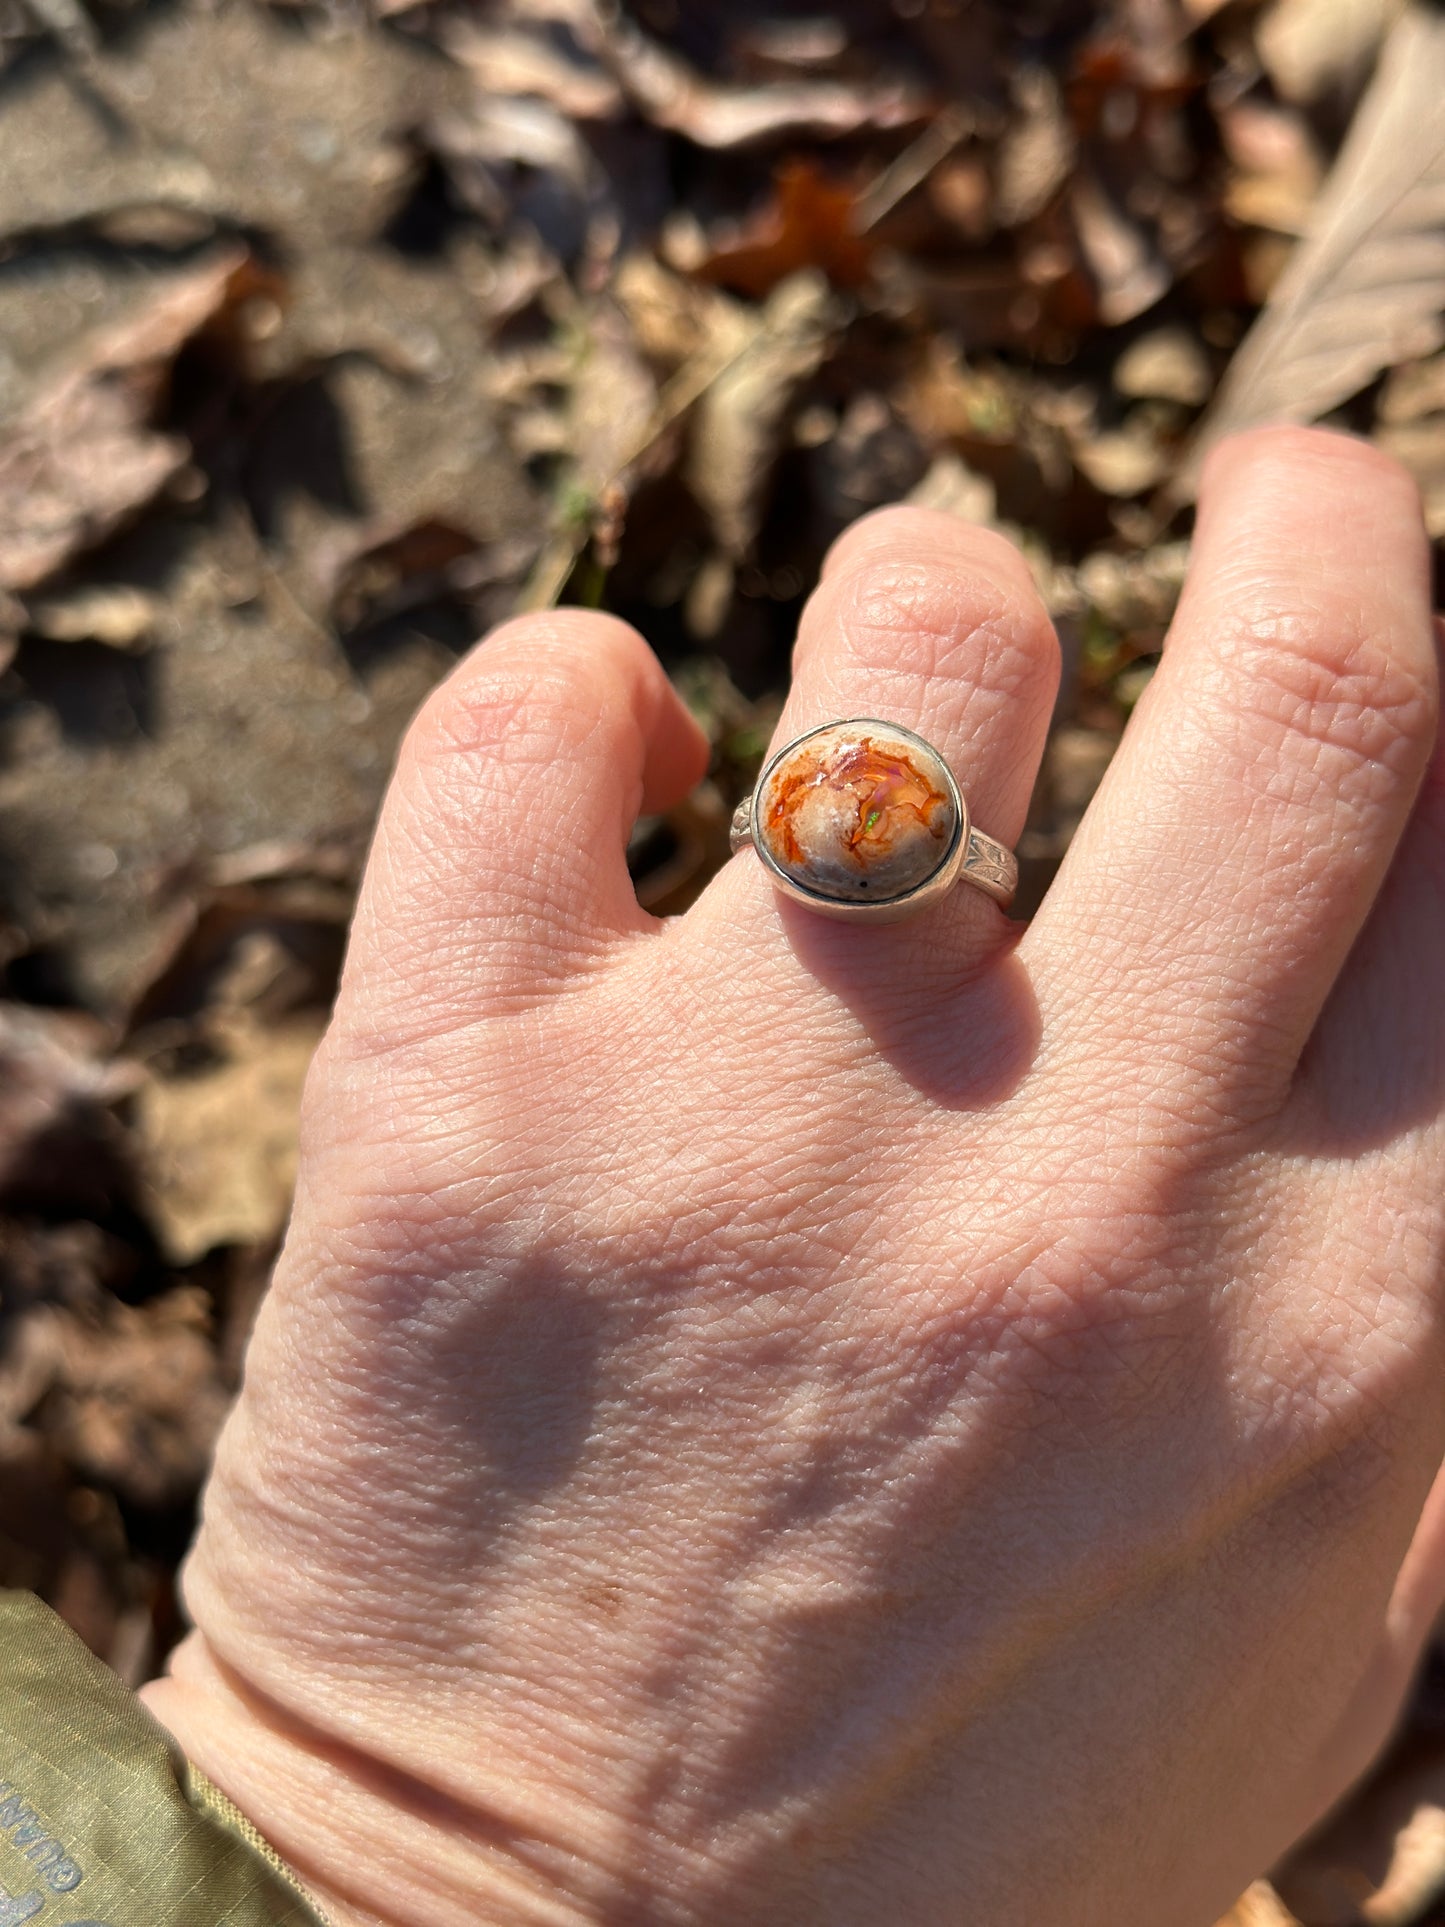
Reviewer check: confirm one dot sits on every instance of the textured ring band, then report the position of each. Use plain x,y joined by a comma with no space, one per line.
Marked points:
865,820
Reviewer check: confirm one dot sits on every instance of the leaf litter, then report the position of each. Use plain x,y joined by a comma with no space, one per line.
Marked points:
328,339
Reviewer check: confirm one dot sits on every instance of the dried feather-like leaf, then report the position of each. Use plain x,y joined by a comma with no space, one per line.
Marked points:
1365,289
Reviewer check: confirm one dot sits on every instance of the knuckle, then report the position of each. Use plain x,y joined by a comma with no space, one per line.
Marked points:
1325,682
924,620
519,715
537,689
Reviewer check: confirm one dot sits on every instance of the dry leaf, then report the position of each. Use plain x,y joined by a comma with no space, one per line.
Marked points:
118,615
1416,1876
55,1093
1314,48
382,571
1125,461
870,458
1036,154
954,488
83,457
1366,288
1276,169
1168,364
672,318
1127,269
600,62
220,1144
137,1398
1135,594
613,396
812,221
740,418
1414,389
526,169
670,94
511,59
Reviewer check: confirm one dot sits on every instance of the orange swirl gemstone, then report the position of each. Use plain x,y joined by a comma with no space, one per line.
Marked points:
857,813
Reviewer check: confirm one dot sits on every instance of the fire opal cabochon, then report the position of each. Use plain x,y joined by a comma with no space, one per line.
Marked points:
857,812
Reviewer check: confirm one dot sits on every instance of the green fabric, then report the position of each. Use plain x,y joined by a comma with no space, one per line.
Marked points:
102,1823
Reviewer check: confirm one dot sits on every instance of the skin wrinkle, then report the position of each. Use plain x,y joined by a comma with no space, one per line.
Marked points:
984,660
521,1839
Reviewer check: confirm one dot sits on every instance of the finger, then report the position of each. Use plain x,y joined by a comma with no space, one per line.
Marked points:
499,867
925,620
1374,1071
1237,844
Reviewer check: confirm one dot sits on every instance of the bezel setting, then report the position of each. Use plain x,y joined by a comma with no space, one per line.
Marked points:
881,909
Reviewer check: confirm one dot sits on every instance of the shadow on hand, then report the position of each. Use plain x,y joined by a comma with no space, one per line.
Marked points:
965,1043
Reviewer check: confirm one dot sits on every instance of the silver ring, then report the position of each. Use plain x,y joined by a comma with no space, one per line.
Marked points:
865,820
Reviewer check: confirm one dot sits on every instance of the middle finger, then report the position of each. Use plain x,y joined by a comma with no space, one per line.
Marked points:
1243,831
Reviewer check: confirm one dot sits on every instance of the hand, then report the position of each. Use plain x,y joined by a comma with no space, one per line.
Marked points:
768,1421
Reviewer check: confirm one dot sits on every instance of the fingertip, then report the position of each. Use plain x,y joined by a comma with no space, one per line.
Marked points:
1323,468
1313,544
625,669
560,673
918,535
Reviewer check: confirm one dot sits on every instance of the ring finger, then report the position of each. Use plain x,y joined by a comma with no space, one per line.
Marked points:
926,621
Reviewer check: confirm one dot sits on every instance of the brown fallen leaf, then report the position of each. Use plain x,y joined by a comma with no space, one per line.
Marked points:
952,487
382,571
591,62
673,95
613,393
219,1145
1123,461
739,419
811,221
119,615
1168,364
521,58
1366,288
1135,595
1275,166
137,1398
1129,272
702,330
83,457
671,316
869,458
1036,154
1413,389
59,1142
